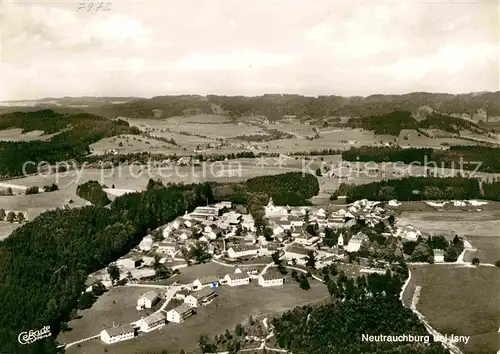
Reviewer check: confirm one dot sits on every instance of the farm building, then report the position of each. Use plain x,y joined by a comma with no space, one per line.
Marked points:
152,322
147,300
200,297
117,334
180,313
271,278
236,279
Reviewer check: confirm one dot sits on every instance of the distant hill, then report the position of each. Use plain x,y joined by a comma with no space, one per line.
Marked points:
275,106
394,122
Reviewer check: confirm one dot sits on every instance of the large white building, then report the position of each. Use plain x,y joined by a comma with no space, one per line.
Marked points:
235,279
180,313
200,297
147,300
152,322
271,278
117,334
166,247
243,251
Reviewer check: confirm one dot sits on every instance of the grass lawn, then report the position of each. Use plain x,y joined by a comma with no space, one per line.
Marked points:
461,301
488,248
234,305
104,312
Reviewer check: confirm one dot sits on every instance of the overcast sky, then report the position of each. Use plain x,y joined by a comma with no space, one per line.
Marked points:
148,48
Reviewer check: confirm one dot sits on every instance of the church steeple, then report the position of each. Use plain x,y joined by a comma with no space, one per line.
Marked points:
270,203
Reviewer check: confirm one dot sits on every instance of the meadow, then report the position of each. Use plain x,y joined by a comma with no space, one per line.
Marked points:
234,305
461,301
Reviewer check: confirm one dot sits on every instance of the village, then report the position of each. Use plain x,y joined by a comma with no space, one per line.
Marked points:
224,233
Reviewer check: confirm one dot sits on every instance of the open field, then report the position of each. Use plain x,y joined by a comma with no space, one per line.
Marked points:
6,229
460,301
104,312
474,223
488,248
234,305
127,144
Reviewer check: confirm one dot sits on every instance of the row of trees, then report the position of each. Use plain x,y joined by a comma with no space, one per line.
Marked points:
412,188
11,216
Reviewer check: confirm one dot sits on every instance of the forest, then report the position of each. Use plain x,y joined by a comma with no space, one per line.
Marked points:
46,261
366,305
73,135
412,188
92,191
291,188
485,159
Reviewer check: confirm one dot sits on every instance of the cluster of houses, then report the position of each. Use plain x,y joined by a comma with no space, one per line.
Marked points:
200,292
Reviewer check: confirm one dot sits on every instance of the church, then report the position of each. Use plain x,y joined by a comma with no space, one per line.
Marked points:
274,211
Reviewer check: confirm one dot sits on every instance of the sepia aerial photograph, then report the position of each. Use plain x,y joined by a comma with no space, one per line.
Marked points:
249,176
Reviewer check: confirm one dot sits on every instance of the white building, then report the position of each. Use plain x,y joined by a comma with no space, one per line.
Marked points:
247,222
438,256
117,334
145,244
200,297
306,239
168,248
297,253
204,282
180,313
236,279
271,278
243,251
152,322
355,242
128,263
147,300
205,213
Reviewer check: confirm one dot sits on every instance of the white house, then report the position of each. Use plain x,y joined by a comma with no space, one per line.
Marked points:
438,256
180,313
147,300
236,279
306,239
355,242
117,334
145,244
271,278
247,222
168,248
243,251
297,253
128,263
152,322
148,261
200,297
203,282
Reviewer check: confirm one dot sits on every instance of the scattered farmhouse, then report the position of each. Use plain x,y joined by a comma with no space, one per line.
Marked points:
180,313
117,334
